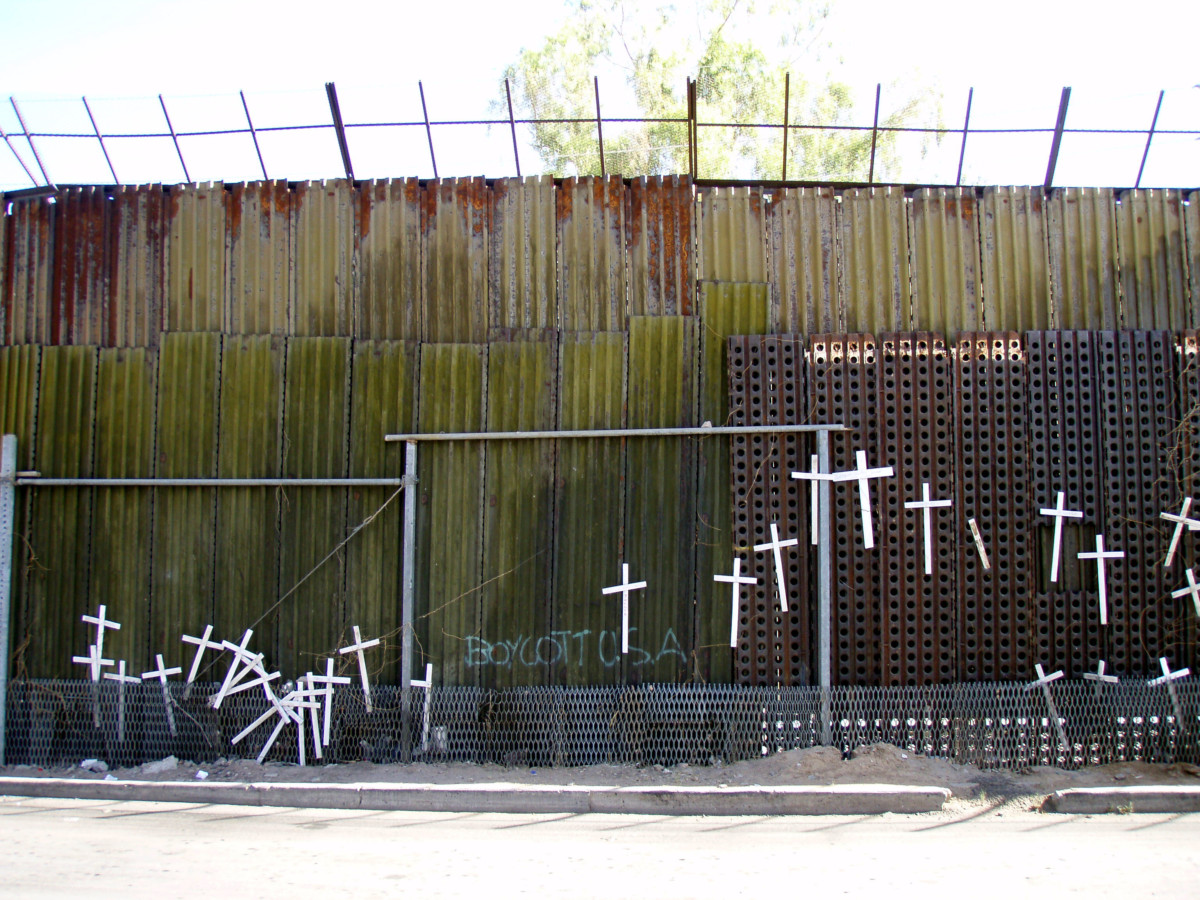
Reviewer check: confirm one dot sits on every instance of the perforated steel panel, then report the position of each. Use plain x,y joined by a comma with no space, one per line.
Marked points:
993,488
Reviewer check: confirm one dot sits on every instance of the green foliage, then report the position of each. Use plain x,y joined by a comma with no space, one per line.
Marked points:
740,54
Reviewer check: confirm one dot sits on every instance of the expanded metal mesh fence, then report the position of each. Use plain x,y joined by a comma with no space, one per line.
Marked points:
994,725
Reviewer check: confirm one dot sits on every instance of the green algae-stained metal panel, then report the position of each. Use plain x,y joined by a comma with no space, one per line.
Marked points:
196,230
389,253
1191,217
450,513
589,510
18,397
454,223
1153,261
802,242
383,400
53,565
134,317
30,254
874,257
121,523
1015,262
246,575
725,310
522,275
323,256
316,421
945,251
732,237
518,539
82,265
660,500
592,287
260,259
659,241
1083,258
184,539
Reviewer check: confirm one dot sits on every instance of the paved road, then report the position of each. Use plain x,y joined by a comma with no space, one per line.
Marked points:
96,848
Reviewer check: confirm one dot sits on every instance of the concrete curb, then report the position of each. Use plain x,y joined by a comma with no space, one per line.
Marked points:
800,800
1148,799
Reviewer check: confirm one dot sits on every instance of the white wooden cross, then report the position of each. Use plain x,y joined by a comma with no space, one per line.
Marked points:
358,647
202,643
814,475
1169,678
861,474
1179,520
1100,556
161,674
101,624
329,680
263,677
926,506
1100,678
1043,681
246,662
983,557
122,679
1060,512
623,589
775,545
315,725
427,684
736,579
296,702
238,650
94,660
1192,589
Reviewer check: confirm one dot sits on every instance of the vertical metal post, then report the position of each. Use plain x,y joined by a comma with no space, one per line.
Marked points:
787,89
824,582
962,153
428,129
408,584
1059,125
599,124
253,136
512,123
1149,138
8,487
335,112
874,137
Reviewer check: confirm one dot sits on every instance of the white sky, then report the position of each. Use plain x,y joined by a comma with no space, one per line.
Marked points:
122,53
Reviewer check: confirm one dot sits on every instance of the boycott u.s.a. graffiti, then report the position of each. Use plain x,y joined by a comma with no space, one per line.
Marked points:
569,648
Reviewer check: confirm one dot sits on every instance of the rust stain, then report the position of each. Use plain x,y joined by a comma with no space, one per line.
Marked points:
564,201
234,201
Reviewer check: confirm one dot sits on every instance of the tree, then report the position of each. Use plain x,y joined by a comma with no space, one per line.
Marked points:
644,52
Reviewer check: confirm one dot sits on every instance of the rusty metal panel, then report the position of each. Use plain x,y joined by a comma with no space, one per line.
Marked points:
246,576
181,600
4,273
732,234
1083,258
802,234
1191,220
383,400
316,418
875,290
30,243
1138,392
518,518
767,387
260,258
323,242
659,241
196,276
1153,261
1016,265
726,309
455,265
945,250
53,562
588,510
19,397
389,253
453,387
916,429
522,270
121,525
593,291
134,317
1184,458
842,384
660,499
83,264
990,414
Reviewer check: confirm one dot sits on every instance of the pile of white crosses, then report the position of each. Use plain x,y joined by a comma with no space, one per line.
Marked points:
311,698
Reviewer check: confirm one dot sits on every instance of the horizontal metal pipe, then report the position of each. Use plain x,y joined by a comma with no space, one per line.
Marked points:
612,433
38,481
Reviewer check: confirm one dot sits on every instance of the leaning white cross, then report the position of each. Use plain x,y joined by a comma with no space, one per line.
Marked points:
1179,520
296,702
1100,678
927,506
775,545
238,649
101,624
1192,589
358,647
623,589
861,474
95,662
161,674
814,475
1059,512
122,679
427,684
1043,681
983,557
329,680
202,643
1169,678
1100,556
737,579
247,661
